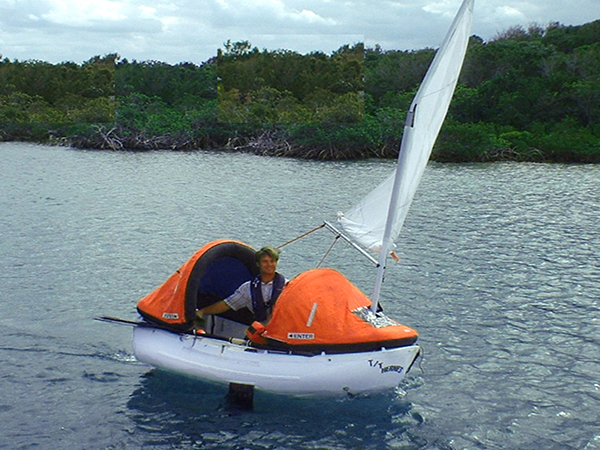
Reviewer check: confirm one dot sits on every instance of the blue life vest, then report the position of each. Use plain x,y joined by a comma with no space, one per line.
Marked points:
258,303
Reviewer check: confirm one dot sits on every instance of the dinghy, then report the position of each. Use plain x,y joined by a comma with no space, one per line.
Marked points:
325,336
323,339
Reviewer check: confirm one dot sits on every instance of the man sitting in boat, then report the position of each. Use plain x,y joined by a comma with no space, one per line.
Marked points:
259,294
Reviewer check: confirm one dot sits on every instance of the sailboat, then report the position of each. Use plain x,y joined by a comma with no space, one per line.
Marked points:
325,337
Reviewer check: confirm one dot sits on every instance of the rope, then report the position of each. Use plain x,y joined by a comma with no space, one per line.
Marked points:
328,251
301,236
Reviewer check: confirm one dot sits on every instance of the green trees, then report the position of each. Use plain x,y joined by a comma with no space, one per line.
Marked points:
285,87
162,105
39,92
539,88
529,94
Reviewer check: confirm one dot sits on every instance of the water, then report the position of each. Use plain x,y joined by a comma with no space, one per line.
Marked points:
500,275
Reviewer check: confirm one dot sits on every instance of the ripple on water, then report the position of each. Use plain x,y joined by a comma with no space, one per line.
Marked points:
499,274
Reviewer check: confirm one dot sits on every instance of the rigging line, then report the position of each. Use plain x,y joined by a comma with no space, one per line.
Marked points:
352,243
301,236
437,91
335,239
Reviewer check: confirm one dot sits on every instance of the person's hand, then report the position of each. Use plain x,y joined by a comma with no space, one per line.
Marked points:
199,322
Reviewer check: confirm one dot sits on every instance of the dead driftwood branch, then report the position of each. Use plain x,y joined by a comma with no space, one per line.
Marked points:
271,142
268,143
109,138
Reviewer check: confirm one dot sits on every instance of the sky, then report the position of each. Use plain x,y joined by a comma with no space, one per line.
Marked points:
175,31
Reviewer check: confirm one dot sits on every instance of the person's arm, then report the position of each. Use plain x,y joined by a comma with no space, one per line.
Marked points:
215,308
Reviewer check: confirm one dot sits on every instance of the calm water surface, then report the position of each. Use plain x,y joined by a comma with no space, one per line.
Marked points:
500,274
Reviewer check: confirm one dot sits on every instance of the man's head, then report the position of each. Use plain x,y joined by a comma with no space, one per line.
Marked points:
266,259
272,252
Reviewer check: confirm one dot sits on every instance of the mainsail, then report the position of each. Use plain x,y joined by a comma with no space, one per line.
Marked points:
376,221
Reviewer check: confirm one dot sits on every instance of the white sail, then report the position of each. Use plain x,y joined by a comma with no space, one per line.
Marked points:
366,222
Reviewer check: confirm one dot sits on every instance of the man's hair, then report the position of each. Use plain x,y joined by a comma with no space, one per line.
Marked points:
272,252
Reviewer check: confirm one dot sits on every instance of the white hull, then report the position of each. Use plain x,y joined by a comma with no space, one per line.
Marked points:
276,372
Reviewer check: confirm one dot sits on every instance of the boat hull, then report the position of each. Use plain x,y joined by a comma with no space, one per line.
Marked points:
276,372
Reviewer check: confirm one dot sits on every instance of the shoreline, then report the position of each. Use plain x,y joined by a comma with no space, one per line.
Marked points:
284,149
457,143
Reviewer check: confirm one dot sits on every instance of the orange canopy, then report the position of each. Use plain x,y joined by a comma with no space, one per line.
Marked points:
213,273
319,310
322,308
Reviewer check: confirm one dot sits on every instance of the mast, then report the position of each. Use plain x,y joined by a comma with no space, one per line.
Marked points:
420,131
386,242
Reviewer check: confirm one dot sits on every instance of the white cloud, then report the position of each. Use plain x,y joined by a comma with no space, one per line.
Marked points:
445,8
73,12
310,17
192,30
509,11
146,11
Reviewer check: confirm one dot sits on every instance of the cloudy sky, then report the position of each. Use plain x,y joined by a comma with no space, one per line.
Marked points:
192,30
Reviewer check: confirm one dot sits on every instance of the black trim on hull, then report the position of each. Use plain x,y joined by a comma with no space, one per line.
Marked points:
279,347
316,349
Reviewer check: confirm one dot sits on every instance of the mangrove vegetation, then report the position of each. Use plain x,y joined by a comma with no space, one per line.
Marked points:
529,94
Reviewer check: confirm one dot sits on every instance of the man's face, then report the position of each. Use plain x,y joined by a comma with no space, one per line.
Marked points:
267,265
